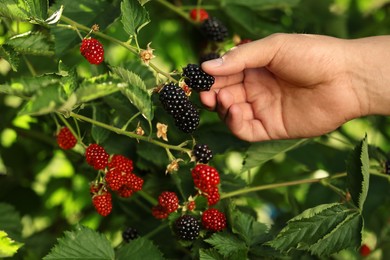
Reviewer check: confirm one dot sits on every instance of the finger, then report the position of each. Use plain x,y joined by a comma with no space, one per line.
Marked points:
250,55
251,130
228,96
223,81
208,99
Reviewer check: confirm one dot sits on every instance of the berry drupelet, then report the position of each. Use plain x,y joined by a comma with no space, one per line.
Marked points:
202,153
187,227
214,30
196,78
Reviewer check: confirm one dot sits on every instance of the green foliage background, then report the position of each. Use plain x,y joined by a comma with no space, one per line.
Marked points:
269,189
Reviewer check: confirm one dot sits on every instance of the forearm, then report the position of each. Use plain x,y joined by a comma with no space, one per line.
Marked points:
370,63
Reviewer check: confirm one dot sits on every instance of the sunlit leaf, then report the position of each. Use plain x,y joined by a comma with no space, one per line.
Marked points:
10,221
14,9
134,16
32,43
8,247
10,55
83,243
97,87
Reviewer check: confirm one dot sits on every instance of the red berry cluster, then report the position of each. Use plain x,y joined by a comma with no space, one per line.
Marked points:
168,202
92,50
206,179
65,139
214,220
119,177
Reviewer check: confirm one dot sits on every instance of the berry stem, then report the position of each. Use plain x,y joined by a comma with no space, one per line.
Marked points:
147,197
279,185
129,134
130,120
176,10
156,230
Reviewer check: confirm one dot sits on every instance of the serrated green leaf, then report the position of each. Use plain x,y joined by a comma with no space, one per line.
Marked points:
140,248
8,247
14,9
228,244
210,254
245,227
143,72
47,100
83,243
316,224
346,234
10,55
34,43
38,8
259,153
135,91
134,16
358,173
28,86
10,221
85,12
97,87
100,114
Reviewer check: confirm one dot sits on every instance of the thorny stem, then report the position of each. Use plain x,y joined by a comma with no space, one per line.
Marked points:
129,134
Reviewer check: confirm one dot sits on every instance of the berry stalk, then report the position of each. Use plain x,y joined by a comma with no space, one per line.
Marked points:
130,134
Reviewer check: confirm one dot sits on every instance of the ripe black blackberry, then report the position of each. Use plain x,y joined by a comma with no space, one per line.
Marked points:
196,78
208,56
129,234
188,121
214,30
173,99
187,227
202,153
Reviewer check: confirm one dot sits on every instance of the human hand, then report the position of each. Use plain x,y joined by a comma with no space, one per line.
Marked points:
285,86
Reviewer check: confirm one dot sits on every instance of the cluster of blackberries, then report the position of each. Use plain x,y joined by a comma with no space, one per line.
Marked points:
214,30
187,227
176,103
196,78
202,153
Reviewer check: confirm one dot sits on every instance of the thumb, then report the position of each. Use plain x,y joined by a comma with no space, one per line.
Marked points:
254,54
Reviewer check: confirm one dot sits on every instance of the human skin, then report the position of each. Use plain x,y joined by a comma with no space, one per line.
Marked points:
299,85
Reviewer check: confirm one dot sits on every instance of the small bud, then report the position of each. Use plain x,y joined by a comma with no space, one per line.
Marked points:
95,28
173,166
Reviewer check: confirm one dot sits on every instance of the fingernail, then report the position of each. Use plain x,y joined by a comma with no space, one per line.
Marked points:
213,63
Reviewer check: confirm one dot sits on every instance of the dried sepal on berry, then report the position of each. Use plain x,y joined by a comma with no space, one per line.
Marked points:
162,130
147,54
173,166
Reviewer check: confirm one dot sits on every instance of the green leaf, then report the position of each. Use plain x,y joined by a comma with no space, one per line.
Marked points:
245,226
358,173
144,72
259,153
228,244
83,243
135,91
84,12
210,254
28,86
307,230
97,87
140,248
14,9
10,55
47,100
134,16
32,43
100,114
10,221
38,8
8,247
